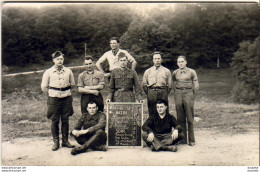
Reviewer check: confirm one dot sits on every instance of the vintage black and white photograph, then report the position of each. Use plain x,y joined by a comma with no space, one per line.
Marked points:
130,83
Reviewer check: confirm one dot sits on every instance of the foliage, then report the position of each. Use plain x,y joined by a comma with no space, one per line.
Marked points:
245,66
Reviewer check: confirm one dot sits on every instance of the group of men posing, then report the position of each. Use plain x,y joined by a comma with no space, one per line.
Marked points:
161,131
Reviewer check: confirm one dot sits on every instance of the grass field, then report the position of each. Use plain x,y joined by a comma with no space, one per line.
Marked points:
24,106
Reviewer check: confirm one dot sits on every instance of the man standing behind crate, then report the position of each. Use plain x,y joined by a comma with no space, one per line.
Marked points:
123,82
57,82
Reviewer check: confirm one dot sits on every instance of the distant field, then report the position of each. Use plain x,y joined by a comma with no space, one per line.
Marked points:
24,106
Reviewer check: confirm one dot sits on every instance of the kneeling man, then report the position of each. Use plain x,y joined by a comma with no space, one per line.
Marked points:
161,130
89,131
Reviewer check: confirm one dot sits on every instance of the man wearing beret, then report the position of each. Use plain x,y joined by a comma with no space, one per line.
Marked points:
57,82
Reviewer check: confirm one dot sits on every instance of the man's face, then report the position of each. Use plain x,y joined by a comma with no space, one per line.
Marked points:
123,62
92,109
157,60
161,108
114,44
181,62
58,61
89,64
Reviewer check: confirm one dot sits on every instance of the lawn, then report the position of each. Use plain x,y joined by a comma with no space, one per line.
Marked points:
24,106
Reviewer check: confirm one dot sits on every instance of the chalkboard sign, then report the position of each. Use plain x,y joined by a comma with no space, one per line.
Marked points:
124,122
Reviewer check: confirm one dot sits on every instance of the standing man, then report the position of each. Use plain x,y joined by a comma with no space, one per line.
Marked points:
90,83
162,131
157,83
89,131
122,82
185,84
112,57
57,82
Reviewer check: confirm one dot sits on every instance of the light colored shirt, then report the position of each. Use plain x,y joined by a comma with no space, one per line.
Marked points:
186,78
113,59
91,79
160,77
58,79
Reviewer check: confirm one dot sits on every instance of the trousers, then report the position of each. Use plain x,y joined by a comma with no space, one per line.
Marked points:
153,96
184,103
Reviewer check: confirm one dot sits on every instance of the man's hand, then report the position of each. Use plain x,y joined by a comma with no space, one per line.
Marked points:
82,132
95,92
108,100
150,137
75,133
107,74
175,134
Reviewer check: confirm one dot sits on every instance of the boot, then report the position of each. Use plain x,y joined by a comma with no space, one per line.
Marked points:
56,144
172,148
55,135
65,133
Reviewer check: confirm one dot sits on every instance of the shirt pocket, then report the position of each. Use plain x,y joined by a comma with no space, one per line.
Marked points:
95,80
151,79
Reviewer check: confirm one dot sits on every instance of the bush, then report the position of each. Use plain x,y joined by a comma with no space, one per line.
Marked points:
245,66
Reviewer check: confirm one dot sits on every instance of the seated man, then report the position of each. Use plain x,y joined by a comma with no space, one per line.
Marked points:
89,131
161,130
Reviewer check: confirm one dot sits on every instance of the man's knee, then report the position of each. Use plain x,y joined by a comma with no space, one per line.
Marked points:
145,136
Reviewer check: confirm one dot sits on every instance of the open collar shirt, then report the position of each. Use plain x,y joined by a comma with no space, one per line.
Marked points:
185,78
160,77
113,59
58,79
93,78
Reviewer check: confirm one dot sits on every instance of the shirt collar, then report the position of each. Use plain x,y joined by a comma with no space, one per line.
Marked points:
157,68
95,116
90,72
54,69
184,71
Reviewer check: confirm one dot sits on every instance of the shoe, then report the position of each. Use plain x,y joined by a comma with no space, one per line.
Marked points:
77,150
181,143
67,144
56,145
192,143
152,148
100,148
172,148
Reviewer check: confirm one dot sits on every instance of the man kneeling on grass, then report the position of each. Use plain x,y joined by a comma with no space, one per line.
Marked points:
161,131
89,131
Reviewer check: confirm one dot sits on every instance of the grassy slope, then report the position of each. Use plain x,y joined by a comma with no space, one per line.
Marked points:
24,106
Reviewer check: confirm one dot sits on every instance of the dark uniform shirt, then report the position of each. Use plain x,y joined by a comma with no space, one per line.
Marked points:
154,124
124,80
92,122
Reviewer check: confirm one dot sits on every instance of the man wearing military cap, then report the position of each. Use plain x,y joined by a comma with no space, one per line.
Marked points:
57,82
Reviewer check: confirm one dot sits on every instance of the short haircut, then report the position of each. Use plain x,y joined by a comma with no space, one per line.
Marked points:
182,57
122,55
114,38
57,54
157,52
92,102
161,101
88,57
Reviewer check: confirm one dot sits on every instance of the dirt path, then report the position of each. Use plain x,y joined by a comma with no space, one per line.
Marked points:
211,149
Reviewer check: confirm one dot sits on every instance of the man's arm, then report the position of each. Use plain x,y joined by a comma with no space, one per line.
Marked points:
131,59
145,82
169,81
100,125
45,82
72,81
111,86
134,63
137,86
174,81
195,81
100,61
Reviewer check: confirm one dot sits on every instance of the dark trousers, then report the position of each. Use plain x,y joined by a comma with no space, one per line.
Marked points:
184,103
153,96
85,98
59,109
161,140
92,140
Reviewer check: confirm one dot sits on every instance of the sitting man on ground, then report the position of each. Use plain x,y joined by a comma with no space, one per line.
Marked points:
89,131
161,130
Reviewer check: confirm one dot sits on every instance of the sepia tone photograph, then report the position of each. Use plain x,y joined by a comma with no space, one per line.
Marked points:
130,83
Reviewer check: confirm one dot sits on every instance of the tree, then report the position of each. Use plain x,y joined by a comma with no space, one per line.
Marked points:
245,66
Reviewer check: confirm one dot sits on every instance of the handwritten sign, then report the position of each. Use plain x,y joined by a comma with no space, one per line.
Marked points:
124,122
